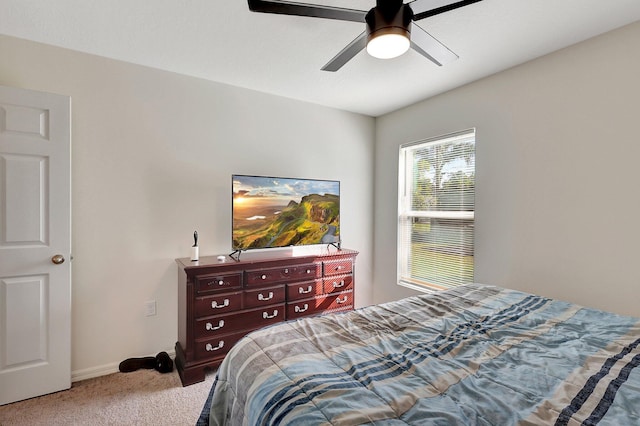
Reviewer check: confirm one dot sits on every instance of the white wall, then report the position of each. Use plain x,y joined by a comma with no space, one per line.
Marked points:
557,151
152,158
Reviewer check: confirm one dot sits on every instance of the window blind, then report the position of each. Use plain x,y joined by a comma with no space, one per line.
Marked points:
436,208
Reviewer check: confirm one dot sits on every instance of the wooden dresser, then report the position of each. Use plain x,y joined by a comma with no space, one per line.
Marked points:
220,302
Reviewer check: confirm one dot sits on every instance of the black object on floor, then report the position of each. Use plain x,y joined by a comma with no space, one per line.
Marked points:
161,362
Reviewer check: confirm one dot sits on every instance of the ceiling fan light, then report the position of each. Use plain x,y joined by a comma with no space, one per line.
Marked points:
389,29
388,45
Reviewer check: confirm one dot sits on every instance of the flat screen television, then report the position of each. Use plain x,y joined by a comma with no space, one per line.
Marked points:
270,212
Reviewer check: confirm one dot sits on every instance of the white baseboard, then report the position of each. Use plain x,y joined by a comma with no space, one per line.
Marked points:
103,370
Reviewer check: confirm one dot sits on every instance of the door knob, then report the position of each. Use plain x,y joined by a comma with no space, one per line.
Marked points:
58,259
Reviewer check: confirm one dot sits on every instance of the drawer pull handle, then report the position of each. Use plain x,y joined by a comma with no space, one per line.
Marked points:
302,291
225,303
299,309
219,282
261,297
286,270
263,276
341,301
308,271
267,316
337,285
210,326
339,267
210,348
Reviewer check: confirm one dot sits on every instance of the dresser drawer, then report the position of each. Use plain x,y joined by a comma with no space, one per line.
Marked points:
218,304
338,283
217,346
217,282
335,267
263,297
304,290
239,321
339,301
333,302
276,275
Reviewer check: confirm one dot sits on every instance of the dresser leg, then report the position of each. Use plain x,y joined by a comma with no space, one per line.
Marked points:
191,373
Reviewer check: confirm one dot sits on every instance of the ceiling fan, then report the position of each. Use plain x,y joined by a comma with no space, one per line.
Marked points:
389,30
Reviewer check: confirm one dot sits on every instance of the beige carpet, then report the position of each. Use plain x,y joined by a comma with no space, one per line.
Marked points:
143,397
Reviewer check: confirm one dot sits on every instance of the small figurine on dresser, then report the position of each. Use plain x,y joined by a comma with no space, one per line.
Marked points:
194,248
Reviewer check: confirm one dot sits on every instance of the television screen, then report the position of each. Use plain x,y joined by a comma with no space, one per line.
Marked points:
281,212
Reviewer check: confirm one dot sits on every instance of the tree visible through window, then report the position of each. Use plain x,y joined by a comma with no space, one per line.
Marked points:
436,199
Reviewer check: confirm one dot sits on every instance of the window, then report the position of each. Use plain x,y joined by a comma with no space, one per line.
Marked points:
436,212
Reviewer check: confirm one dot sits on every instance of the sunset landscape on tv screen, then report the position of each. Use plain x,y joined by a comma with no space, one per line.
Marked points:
281,212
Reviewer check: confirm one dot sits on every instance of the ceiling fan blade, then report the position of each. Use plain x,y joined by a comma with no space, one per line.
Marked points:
425,8
347,53
425,44
304,9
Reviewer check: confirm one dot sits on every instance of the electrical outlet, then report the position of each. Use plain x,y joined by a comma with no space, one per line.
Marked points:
150,308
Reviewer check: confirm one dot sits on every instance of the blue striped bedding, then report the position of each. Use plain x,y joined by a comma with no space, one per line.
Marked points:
474,355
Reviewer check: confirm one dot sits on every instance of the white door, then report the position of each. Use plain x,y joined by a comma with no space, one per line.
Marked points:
35,227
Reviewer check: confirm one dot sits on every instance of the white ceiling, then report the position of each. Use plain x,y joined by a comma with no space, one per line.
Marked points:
221,40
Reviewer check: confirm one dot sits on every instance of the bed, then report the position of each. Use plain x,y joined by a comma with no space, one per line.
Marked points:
473,355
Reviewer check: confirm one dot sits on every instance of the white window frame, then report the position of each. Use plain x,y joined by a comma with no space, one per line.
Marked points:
407,217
